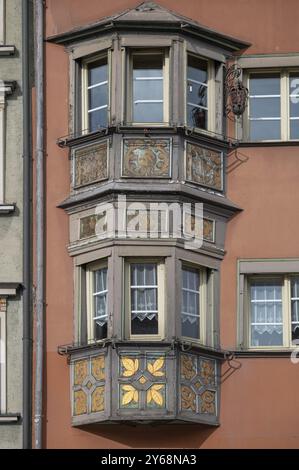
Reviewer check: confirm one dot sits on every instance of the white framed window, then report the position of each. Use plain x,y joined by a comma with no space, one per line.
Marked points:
145,300
148,87
273,107
97,301
200,93
272,311
193,303
95,93
2,361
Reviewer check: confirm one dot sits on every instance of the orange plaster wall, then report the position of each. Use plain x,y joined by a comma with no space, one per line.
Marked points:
260,400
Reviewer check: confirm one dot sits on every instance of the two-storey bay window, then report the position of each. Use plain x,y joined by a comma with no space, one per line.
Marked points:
273,109
148,87
145,299
97,301
193,303
273,311
95,94
197,92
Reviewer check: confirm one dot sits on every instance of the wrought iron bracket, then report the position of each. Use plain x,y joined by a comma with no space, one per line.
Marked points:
236,94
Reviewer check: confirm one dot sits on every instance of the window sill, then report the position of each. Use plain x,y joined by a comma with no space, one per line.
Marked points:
10,418
286,352
7,208
7,50
272,143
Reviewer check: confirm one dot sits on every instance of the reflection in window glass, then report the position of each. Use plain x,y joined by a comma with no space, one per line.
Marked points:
100,293
295,308
264,107
190,311
197,92
144,299
294,105
148,88
97,99
266,322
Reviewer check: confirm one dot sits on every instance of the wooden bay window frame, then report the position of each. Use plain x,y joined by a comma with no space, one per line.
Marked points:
161,299
211,91
129,54
202,291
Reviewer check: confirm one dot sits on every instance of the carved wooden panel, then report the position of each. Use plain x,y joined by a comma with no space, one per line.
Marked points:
204,166
198,386
90,163
146,158
207,227
88,385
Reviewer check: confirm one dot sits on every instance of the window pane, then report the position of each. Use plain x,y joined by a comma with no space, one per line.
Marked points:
197,117
266,313
144,299
197,92
147,86
190,310
294,105
97,72
264,84
97,119
98,96
294,84
100,303
294,129
295,308
264,107
265,130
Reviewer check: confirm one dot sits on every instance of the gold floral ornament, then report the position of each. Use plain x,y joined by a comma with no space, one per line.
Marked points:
208,402
98,367
80,372
130,365
188,398
80,403
154,395
154,368
97,399
130,395
208,372
187,367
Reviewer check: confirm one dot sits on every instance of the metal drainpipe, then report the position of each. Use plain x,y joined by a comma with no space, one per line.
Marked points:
27,249
39,214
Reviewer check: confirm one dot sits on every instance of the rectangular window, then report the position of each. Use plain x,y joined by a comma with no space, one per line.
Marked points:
97,302
148,87
145,316
273,108
273,314
95,88
197,92
192,303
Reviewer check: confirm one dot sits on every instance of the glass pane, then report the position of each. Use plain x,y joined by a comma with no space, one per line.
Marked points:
197,94
144,299
295,287
190,313
100,305
197,117
144,327
144,274
148,90
294,129
98,96
266,313
148,112
100,330
191,330
294,84
147,65
264,107
100,280
264,84
97,119
97,72
294,107
265,130
197,69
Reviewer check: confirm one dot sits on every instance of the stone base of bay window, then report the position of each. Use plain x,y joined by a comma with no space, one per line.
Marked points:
144,384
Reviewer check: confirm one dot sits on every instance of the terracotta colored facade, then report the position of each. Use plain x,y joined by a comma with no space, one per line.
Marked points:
259,398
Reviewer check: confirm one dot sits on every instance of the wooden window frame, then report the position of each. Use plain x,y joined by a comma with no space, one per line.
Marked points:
202,303
128,90
84,88
211,92
286,311
284,102
161,282
90,269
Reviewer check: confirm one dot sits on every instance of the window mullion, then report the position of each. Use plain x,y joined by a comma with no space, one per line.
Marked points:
284,111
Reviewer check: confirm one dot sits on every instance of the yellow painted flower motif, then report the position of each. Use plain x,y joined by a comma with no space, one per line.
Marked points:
131,394
130,365
153,394
154,368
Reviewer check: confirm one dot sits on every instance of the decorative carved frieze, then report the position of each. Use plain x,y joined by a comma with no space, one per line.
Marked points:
146,158
204,166
90,163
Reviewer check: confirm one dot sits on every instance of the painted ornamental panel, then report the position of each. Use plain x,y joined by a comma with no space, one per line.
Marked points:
204,166
146,158
90,163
